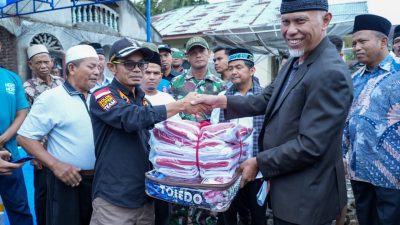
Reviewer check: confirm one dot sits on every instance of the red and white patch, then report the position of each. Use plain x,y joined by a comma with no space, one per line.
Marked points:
107,102
100,93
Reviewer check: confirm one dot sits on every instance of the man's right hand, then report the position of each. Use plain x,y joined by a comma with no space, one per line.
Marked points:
212,101
67,173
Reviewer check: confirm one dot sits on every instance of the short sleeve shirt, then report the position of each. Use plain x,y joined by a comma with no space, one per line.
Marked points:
12,99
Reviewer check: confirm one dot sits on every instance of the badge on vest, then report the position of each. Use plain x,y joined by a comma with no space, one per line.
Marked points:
107,102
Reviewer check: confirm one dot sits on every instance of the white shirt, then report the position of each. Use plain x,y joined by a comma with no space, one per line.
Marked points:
162,98
66,121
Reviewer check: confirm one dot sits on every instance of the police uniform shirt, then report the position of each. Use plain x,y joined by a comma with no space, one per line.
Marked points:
121,120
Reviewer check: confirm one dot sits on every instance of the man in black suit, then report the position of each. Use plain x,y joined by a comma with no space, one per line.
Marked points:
305,110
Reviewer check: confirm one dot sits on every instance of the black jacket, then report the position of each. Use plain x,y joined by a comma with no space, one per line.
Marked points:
120,128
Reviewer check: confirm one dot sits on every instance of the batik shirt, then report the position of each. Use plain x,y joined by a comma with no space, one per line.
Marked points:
372,131
185,83
36,86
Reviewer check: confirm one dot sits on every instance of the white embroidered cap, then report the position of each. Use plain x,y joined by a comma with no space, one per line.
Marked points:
36,49
80,52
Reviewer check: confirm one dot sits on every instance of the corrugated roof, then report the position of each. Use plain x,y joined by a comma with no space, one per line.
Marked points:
235,14
211,17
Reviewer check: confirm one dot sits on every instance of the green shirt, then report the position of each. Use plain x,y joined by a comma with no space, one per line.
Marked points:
185,83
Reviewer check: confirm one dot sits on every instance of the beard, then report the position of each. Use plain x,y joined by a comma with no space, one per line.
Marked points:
296,53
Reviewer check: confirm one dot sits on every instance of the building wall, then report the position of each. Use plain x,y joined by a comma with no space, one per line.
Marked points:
8,56
19,32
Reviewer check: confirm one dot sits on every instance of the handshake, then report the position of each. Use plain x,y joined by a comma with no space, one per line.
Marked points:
195,103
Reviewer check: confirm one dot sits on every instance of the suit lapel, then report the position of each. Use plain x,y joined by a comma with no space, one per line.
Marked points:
278,85
296,79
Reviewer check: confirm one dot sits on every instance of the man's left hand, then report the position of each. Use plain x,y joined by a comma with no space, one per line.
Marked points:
249,171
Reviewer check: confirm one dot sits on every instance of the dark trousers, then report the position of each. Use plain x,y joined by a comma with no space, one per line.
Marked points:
15,199
40,195
278,221
162,212
376,205
245,203
68,205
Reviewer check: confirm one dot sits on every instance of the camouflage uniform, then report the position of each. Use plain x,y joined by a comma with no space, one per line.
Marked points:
180,87
185,83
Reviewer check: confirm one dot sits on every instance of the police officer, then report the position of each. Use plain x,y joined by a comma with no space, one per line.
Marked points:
121,118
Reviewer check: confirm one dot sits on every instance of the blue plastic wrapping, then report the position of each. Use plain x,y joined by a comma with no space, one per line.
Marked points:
215,195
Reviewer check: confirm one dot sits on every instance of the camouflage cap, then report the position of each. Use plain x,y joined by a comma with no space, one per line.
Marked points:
196,41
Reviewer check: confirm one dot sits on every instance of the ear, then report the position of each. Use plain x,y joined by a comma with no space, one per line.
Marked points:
29,64
253,71
326,20
384,42
71,67
112,67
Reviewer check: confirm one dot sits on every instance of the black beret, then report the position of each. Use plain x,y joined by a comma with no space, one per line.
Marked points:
372,22
155,59
290,6
396,33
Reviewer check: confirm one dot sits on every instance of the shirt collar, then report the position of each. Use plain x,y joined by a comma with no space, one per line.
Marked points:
126,91
385,65
70,89
208,76
233,88
106,81
121,87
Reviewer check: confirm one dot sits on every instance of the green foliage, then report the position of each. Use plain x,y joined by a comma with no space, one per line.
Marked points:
158,7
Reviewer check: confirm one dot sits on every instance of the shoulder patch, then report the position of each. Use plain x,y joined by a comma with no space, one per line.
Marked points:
146,102
100,93
107,102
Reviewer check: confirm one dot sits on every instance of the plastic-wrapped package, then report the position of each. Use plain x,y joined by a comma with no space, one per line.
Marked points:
214,194
179,148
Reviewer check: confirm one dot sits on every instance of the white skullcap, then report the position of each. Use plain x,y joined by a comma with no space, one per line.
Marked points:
80,52
36,49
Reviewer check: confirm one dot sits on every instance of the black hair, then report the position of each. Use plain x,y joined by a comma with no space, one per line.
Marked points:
75,62
337,41
219,48
248,64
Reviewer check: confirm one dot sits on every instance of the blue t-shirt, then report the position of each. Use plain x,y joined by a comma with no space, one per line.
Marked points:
12,99
164,86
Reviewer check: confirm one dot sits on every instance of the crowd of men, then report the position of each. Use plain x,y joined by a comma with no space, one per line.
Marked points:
313,125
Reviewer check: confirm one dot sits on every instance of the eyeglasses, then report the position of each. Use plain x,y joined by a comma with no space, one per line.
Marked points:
130,65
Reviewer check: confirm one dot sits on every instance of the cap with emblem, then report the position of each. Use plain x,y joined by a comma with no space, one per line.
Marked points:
290,6
36,49
240,54
372,22
124,47
196,41
97,46
80,52
164,47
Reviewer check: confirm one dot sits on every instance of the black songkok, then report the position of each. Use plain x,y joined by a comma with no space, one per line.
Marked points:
372,22
290,6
